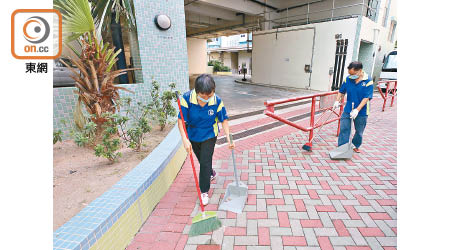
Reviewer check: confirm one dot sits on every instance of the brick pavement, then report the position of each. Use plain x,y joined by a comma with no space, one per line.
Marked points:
297,199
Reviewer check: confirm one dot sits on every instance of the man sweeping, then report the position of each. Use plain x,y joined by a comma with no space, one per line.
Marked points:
359,89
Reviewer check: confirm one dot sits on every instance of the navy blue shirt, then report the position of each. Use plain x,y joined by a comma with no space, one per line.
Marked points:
202,122
356,92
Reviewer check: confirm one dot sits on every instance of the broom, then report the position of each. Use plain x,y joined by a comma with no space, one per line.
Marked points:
206,221
308,145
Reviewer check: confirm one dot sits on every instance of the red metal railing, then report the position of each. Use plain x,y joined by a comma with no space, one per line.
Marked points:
324,97
391,91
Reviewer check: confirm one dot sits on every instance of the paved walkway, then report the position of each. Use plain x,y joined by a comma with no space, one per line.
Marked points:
297,199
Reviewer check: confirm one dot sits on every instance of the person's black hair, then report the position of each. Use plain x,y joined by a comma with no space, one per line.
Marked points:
205,84
355,65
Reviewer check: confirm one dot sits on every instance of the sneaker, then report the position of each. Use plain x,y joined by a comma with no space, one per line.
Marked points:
205,199
213,176
357,150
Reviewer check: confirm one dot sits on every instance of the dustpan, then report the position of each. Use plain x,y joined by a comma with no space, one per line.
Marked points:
236,193
345,151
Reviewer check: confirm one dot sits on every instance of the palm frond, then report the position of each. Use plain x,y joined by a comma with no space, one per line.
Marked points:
77,18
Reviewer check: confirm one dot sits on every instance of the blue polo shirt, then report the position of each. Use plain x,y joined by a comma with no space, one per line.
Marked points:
356,92
202,122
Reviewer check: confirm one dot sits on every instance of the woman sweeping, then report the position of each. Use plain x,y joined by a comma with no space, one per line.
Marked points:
202,111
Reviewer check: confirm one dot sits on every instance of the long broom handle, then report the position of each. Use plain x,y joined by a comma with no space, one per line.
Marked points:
190,155
351,120
234,162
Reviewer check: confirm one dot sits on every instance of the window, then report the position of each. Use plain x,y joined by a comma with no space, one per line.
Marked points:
392,31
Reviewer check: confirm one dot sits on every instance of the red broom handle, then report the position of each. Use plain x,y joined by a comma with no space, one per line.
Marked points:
190,155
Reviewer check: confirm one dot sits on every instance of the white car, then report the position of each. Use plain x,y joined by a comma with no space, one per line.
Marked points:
389,69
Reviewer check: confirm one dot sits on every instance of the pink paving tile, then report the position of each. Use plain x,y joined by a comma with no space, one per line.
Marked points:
240,248
182,242
369,189
283,219
346,187
168,236
256,215
324,185
389,248
251,199
235,231
263,178
357,248
263,236
387,202
300,206
137,245
337,197
313,194
394,229
268,189
274,201
174,227
283,180
340,228
146,237
290,191
302,182
324,243
311,223
362,201
293,240
380,216
351,211
208,247
328,208
152,228
371,231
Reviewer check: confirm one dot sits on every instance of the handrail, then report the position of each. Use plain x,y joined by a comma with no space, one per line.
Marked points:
270,111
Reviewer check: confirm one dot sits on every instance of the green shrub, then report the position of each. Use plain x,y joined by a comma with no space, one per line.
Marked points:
86,135
134,135
57,136
110,144
161,106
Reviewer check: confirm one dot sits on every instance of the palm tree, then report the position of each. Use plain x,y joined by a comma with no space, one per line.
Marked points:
107,15
94,83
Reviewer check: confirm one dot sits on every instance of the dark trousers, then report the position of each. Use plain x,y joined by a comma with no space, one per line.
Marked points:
204,152
344,134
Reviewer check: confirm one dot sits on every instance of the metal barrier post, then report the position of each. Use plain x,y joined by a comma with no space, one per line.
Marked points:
341,108
394,93
311,121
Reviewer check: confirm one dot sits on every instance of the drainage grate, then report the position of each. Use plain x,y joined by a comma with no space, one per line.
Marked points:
256,130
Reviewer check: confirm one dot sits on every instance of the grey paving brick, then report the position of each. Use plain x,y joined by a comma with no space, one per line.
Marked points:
278,194
310,236
261,205
276,243
296,228
385,228
391,223
391,211
241,220
308,248
342,241
258,248
373,243
190,247
228,242
280,231
326,221
200,239
387,241
268,223
364,209
312,213
272,212
250,208
357,237
289,248
217,236
367,220
350,202
338,206
286,208
298,215
288,199
348,194
338,216
186,229
228,222
252,227
325,231
246,240
312,202
354,223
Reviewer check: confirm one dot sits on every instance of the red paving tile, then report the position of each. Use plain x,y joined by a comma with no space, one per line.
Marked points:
293,240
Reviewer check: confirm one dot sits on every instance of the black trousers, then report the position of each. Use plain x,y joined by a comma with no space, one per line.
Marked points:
204,152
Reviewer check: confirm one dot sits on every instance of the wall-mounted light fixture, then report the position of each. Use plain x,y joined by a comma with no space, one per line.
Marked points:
163,22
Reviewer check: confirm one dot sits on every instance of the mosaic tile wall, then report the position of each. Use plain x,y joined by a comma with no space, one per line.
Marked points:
163,57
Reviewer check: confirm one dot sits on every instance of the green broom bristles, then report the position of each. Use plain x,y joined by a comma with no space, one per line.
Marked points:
205,226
